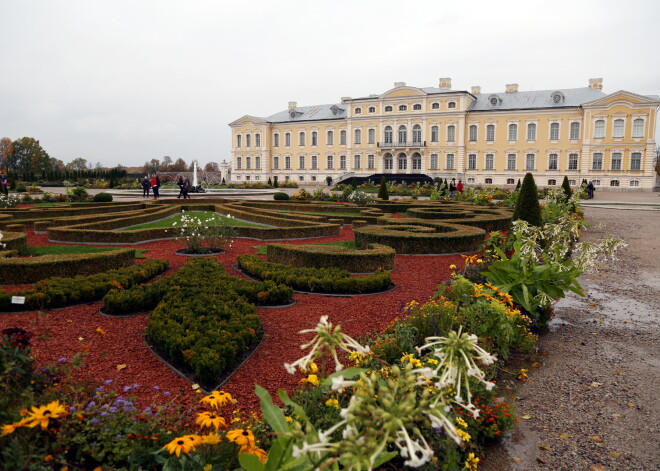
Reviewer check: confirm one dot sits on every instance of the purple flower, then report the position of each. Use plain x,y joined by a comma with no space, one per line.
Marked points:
99,389
71,409
103,414
91,404
95,421
62,360
119,435
157,388
166,393
112,410
107,381
127,388
106,430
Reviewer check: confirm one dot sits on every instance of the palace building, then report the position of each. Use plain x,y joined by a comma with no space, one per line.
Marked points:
481,138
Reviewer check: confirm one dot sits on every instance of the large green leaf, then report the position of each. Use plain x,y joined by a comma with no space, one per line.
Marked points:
273,414
250,462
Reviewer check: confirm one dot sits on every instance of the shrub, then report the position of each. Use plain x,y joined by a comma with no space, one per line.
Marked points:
281,196
567,188
79,193
328,180
528,208
382,190
325,256
102,198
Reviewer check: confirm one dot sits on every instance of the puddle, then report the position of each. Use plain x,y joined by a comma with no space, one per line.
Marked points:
556,323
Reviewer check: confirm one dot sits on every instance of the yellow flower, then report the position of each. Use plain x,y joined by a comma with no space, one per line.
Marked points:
210,419
98,468
472,462
432,361
356,357
288,419
480,261
332,403
11,428
217,399
258,452
312,368
211,439
243,438
207,467
178,445
463,434
452,267
195,440
461,422
42,414
311,379
48,458
523,375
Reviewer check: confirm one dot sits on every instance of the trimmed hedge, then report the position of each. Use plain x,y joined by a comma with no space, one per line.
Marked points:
14,241
319,280
42,226
333,256
58,292
15,227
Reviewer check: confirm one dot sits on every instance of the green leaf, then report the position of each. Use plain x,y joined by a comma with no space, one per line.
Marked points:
383,457
250,462
348,373
287,401
273,414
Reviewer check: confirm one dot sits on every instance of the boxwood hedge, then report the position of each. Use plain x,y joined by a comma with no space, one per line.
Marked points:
325,256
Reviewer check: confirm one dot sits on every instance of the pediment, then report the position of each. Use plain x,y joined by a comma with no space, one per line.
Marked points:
247,120
622,97
403,91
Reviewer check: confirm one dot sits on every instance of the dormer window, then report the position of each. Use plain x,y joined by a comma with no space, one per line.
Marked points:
335,109
372,109
294,114
358,111
435,106
451,104
417,107
403,108
557,97
494,100
388,108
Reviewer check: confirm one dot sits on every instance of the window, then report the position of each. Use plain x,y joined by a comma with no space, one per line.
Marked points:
238,140
257,163
511,162
488,181
471,180
356,162
616,161
257,140
434,134
301,162
301,138
388,135
239,163
614,182
490,161
473,133
416,161
330,164
513,132
247,177
552,162
638,128
434,161
330,138
372,109
599,129
450,161
315,138
634,182
342,137
358,110
417,107
276,140
451,133
510,181
247,140
472,162
287,162
403,134
435,106
276,163
403,162
358,136
530,162
342,162
417,134
636,161
575,131
403,108
617,131
451,104
315,162
597,162
371,162
552,182
572,161
372,136
531,132
248,163
490,132
301,178
389,161
388,108
287,139
554,131
596,182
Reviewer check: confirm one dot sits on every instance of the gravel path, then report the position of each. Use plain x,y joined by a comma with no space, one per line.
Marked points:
593,404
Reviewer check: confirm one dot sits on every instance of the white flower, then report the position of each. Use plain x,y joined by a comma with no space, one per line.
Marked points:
417,452
338,382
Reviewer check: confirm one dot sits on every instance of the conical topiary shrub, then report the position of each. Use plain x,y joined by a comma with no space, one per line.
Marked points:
275,182
270,182
567,188
382,191
528,207
517,186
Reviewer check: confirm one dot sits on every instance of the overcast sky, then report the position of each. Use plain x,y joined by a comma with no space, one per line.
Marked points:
125,81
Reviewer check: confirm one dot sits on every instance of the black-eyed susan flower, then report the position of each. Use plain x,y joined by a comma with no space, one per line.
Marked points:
258,452
178,445
41,415
243,438
472,462
210,419
11,428
217,399
211,439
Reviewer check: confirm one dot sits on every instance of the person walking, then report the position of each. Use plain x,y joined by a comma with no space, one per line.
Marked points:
155,185
185,188
146,185
180,182
4,183
590,190
452,188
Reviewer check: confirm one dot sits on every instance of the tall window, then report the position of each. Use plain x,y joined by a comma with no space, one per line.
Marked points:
247,140
257,163
388,135
511,162
358,136
530,162
372,136
403,162
239,163
276,140
416,161
417,134
287,162
597,162
451,133
403,134
342,137
636,161
388,161
617,131
315,138
434,134
301,162
575,131
599,129
552,162
287,139
276,163
472,162
554,131
531,132
330,138
490,161
473,133
371,162
238,140
638,128
330,164
434,161
301,138
513,132
257,140
572,161
450,161
616,161
315,162
342,162
357,160
490,132
248,163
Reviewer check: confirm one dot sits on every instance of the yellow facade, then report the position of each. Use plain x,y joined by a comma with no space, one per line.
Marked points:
485,139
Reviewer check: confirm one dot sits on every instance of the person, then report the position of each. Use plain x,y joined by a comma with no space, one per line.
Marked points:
590,190
180,182
155,185
185,187
452,188
3,182
145,187
459,187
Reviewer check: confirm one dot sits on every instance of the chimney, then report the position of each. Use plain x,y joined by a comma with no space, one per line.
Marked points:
292,105
399,84
596,83
345,99
476,90
445,83
511,87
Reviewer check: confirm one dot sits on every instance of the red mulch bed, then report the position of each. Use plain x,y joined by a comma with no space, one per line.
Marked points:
64,332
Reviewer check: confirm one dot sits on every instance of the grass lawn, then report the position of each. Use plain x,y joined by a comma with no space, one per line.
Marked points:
349,244
202,215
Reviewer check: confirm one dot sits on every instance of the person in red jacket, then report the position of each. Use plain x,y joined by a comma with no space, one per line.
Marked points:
459,187
155,185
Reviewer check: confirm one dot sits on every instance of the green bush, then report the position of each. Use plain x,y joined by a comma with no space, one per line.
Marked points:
528,207
102,198
567,188
281,196
382,190
333,256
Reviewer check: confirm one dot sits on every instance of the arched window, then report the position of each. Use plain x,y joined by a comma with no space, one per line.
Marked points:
599,129
488,181
614,182
329,163
287,162
388,135
435,133
636,161
451,104
510,181
634,182
287,139
342,137
473,133
315,138
403,134
372,109
471,180
554,131
238,163
330,138
403,107
403,162
358,136
416,161
451,133
513,132
638,128
238,140
531,132
575,131
490,132
417,134
450,162
276,163
301,162
618,128
257,163
417,107
435,106
388,108
388,161
247,140
257,140
301,138
358,110
552,182
372,136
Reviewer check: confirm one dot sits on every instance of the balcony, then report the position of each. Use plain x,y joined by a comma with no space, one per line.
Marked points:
402,145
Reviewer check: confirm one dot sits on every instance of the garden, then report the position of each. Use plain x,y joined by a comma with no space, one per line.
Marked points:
205,354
